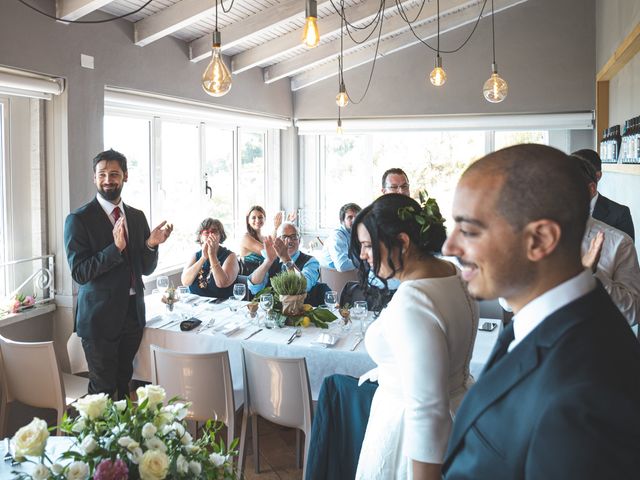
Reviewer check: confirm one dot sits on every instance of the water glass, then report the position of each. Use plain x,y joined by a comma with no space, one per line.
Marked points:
266,302
360,312
162,282
239,291
331,299
182,292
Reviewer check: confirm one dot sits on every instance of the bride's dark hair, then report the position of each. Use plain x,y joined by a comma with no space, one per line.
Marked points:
391,215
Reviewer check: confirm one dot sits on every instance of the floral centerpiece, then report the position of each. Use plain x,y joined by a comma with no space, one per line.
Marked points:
170,297
19,302
125,440
290,289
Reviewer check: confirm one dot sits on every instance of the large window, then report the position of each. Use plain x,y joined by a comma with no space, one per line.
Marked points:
183,170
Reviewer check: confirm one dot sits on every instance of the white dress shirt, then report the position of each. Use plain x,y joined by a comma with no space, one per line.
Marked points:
534,312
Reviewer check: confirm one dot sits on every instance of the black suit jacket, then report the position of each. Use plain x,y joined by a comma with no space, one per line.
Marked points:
614,214
102,272
563,404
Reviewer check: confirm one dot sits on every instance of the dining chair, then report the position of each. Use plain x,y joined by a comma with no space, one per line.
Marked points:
77,360
203,379
337,280
276,389
31,375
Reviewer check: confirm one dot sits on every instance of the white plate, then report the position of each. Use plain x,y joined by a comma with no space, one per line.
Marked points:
325,340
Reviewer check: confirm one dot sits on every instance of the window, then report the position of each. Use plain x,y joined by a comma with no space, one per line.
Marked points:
3,241
349,168
183,169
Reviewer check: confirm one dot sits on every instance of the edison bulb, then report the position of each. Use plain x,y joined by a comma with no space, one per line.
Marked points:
342,99
495,89
438,76
216,80
310,34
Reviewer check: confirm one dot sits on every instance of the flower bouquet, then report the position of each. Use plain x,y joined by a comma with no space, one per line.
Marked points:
20,302
170,297
125,440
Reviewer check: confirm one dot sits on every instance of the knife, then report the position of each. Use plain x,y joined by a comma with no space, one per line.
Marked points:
355,345
254,333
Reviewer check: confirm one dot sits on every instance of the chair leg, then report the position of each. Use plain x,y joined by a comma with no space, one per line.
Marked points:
307,441
256,446
243,444
298,449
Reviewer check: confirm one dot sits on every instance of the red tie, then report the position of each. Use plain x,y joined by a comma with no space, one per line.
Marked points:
117,213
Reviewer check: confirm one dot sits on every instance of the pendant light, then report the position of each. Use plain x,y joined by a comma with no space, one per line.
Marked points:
310,34
339,128
495,89
438,76
216,80
342,99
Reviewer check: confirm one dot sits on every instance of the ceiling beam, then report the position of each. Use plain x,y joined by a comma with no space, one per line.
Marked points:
239,32
392,26
171,19
395,44
74,9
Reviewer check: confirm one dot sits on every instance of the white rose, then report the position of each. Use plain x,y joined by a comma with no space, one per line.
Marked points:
154,443
57,469
40,472
154,465
92,406
135,455
153,393
182,465
179,409
79,425
31,439
125,441
78,471
163,418
149,430
195,467
217,459
178,428
120,405
186,439
89,444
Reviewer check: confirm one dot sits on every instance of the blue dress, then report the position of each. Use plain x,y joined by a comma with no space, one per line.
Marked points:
204,284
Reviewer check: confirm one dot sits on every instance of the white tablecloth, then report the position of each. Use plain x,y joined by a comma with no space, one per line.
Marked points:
321,362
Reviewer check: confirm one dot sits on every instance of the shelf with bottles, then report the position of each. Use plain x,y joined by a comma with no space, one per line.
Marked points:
621,149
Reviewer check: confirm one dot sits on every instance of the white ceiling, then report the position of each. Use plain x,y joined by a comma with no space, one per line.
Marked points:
267,34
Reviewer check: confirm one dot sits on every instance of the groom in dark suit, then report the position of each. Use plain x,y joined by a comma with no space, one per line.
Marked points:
109,247
559,397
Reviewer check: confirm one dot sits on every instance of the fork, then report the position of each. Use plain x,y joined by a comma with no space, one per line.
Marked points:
295,335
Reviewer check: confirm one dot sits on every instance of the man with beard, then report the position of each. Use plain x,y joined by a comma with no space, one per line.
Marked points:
559,395
109,247
335,254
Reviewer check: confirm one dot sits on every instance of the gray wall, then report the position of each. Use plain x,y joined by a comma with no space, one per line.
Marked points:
33,42
615,19
544,49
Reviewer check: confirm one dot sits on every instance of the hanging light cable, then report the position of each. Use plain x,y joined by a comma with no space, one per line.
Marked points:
310,34
495,89
216,80
438,76
342,99
339,128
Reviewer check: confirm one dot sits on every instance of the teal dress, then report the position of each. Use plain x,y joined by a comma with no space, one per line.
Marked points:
250,263
204,284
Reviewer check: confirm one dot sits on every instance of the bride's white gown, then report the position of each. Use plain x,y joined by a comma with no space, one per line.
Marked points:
422,343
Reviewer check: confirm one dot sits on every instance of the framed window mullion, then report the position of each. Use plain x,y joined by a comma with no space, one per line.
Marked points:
236,194
155,166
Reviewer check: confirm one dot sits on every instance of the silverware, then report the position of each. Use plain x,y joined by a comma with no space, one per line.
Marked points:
204,326
7,444
295,334
355,345
252,334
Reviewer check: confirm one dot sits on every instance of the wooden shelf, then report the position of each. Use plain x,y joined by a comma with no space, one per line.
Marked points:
633,169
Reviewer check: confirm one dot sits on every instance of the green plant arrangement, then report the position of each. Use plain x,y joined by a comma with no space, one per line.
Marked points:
289,283
127,440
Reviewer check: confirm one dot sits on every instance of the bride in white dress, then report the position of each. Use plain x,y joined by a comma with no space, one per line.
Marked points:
422,342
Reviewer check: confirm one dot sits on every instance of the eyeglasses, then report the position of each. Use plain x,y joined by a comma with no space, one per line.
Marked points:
291,238
213,231
398,188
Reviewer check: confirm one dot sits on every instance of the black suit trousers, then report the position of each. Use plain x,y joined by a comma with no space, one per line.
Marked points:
111,360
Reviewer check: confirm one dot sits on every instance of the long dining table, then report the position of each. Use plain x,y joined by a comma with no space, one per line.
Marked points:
227,326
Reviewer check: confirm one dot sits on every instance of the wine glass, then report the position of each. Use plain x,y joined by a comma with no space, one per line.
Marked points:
239,291
331,299
266,303
162,282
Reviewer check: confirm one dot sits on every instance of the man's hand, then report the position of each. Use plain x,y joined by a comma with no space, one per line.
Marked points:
120,235
159,234
269,248
281,250
592,256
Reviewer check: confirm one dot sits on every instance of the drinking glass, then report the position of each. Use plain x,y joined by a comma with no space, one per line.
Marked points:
266,303
182,292
331,299
359,312
239,291
162,282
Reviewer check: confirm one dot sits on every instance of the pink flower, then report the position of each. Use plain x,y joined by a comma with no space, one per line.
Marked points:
110,470
14,306
29,300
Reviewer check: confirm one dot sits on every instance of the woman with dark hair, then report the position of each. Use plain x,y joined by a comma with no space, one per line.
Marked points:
252,242
211,271
422,341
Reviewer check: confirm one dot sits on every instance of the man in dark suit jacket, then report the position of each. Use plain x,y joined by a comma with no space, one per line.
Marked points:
603,208
559,396
109,247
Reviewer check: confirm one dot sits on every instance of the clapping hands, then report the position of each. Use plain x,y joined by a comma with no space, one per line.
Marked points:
160,234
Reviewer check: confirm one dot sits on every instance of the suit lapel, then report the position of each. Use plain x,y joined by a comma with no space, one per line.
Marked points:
102,219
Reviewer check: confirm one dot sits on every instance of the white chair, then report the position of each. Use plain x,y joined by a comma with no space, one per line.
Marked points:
77,359
31,375
204,379
337,280
277,389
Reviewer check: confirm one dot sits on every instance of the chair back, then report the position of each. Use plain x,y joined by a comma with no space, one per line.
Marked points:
337,280
31,376
77,359
491,309
204,379
278,389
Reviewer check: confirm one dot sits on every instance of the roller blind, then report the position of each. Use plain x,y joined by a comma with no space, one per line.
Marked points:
25,84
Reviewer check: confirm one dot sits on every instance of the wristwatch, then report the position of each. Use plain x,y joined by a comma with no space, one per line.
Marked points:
289,264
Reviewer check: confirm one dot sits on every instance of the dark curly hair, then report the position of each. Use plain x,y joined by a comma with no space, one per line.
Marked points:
383,222
250,230
208,224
